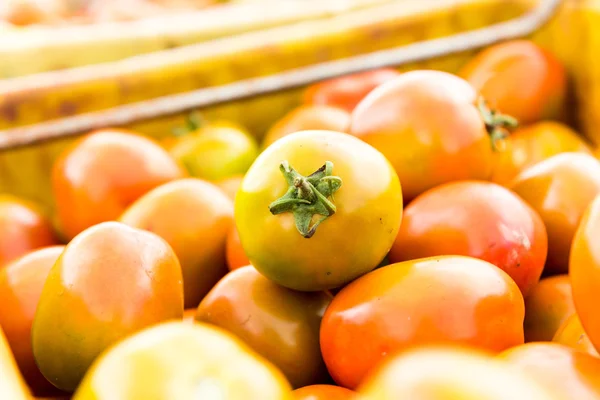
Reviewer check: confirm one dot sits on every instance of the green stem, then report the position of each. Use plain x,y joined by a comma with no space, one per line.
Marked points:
193,122
498,125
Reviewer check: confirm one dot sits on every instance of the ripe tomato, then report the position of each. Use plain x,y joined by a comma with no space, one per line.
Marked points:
104,172
308,117
427,123
347,91
176,360
23,228
110,281
280,324
21,283
534,143
548,305
319,231
450,373
519,78
194,217
567,372
477,219
234,253
559,189
584,271
324,392
230,185
447,299
12,385
571,334
189,315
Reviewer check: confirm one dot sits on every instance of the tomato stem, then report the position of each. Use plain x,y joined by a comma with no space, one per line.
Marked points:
193,122
497,124
307,196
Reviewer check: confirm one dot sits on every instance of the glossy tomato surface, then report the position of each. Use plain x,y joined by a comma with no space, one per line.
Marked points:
571,334
477,219
103,173
280,324
437,300
111,281
273,216
428,125
324,392
234,252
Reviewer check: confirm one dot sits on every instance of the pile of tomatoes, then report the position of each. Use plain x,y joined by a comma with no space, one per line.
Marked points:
417,235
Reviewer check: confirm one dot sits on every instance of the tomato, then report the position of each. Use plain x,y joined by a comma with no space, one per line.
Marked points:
23,228
519,78
437,300
182,361
104,172
216,151
234,252
584,271
230,185
347,91
477,219
194,217
571,334
567,372
21,284
308,117
12,385
559,189
534,143
280,324
427,123
449,373
110,281
320,231
548,305
324,392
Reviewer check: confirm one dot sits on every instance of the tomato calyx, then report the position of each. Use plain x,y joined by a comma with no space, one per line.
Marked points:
307,196
193,122
497,124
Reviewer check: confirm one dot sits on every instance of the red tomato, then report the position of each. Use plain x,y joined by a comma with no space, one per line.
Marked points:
324,392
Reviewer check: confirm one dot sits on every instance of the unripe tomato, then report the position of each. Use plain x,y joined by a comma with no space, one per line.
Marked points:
110,281
318,209
324,392
571,334
519,78
234,252
477,219
437,300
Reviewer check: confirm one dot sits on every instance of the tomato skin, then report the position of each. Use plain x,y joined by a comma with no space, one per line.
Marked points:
347,91
548,305
476,219
571,334
194,217
102,173
308,117
23,228
230,185
324,392
110,281
346,245
519,78
182,361
189,315
409,304
234,252
567,372
21,283
280,324
427,124
559,189
531,144
450,373
12,385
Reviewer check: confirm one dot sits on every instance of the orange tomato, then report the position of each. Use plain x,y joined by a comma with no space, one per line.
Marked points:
569,373
559,189
22,228
308,117
347,91
324,392
571,334
519,78
534,143
230,185
194,217
12,385
21,283
429,127
102,173
110,281
548,305
189,315
280,324
478,219
437,300
235,255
